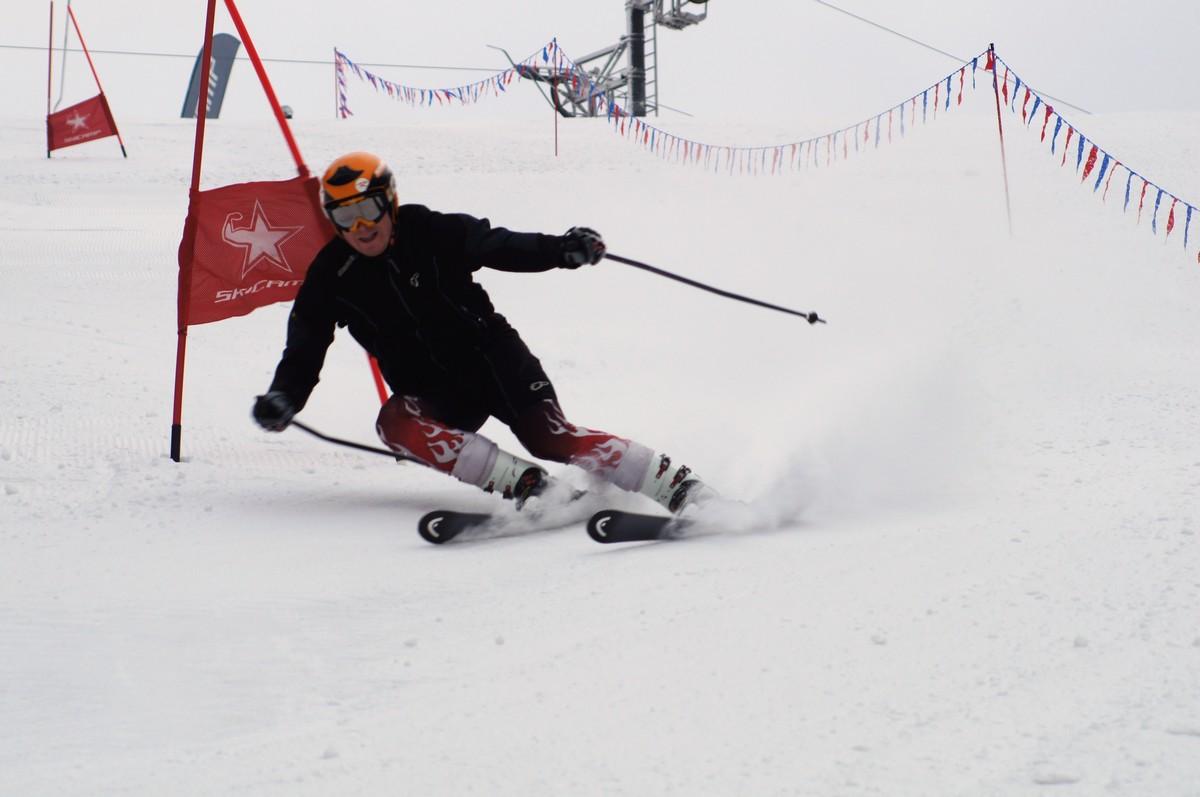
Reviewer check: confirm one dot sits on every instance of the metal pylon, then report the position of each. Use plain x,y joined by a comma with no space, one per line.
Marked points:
625,72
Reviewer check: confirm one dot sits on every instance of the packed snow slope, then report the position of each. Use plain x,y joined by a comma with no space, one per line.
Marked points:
972,567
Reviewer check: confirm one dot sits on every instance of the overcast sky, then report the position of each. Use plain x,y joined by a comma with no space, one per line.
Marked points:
792,59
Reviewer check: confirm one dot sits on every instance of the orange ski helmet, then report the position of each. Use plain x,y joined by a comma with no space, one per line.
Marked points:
354,177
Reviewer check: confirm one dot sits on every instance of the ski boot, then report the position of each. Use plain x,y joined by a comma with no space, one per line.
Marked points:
674,486
515,479
532,483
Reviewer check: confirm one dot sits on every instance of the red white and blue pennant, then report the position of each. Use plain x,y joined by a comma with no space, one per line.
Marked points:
1095,165
824,150
416,96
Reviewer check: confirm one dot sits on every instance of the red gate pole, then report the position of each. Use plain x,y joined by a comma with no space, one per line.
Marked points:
187,246
287,135
1000,125
558,57
82,44
49,76
266,84
380,385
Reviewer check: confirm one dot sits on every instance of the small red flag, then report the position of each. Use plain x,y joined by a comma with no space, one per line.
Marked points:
1070,135
1046,121
86,121
1091,162
248,245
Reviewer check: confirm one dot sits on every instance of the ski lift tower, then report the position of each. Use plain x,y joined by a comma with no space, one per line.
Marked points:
634,84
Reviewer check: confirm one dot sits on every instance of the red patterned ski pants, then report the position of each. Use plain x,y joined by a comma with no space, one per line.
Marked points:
415,428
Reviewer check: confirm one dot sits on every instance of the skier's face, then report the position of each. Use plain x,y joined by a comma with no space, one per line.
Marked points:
371,241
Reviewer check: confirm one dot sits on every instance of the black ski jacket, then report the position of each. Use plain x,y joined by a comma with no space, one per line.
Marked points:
415,307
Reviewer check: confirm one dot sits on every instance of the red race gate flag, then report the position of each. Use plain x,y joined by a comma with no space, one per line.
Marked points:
249,245
89,120
244,245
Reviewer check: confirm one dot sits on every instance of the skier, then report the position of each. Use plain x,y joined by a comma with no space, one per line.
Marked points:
399,277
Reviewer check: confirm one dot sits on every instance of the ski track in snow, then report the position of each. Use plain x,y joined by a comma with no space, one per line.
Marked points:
965,561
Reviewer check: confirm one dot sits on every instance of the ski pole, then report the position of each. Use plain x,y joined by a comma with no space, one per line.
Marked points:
350,443
811,318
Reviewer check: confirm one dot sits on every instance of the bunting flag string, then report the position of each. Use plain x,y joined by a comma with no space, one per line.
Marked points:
821,150
777,159
1086,155
416,96
339,67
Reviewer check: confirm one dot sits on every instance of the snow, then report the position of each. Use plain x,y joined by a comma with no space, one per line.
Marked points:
973,566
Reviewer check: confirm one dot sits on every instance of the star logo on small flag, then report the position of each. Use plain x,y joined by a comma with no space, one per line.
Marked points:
259,241
78,121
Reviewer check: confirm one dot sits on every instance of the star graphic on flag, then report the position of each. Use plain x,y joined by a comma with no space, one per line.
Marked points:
260,241
78,121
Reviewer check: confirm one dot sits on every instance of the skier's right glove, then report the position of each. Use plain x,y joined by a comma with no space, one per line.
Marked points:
273,411
582,245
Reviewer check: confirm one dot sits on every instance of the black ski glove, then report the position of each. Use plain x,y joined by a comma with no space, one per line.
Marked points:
582,245
273,411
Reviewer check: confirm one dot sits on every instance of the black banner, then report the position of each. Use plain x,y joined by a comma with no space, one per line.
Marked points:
224,50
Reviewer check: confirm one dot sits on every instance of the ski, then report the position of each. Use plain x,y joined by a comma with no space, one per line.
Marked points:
442,525
613,525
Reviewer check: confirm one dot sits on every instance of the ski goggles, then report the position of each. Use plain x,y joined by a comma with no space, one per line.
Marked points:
364,212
